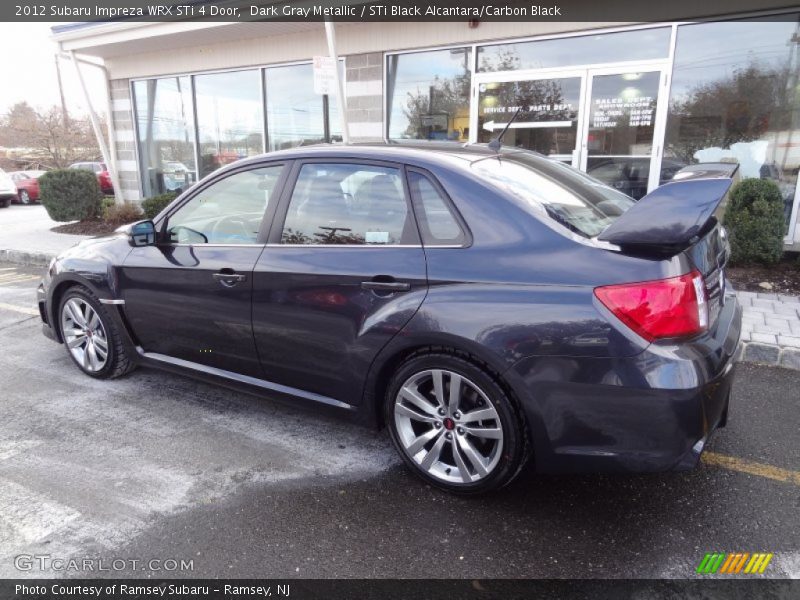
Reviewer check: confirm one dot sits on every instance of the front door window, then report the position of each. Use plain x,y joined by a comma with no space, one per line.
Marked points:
229,211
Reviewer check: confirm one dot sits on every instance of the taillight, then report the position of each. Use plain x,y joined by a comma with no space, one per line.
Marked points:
664,308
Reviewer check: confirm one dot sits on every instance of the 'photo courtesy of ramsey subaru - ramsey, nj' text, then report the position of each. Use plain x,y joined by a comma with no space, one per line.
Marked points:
399,299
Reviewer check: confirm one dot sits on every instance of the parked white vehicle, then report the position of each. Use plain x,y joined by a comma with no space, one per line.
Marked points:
8,190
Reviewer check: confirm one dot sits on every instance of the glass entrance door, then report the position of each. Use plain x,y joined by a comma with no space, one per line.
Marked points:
549,113
608,122
620,132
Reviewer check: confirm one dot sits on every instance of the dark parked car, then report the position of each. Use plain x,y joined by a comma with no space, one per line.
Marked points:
99,169
489,308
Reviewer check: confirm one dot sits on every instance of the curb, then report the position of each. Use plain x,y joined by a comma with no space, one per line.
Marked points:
22,257
766,354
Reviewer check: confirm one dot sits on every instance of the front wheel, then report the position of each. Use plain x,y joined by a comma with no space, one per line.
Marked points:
24,197
454,425
91,337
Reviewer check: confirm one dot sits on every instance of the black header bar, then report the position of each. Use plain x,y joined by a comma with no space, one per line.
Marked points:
414,589
622,11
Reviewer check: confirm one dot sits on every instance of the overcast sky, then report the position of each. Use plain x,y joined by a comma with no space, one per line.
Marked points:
28,72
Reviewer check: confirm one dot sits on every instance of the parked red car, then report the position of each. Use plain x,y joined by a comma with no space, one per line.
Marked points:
27,183
100,169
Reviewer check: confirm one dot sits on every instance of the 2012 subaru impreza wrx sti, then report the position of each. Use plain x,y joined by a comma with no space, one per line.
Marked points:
489,306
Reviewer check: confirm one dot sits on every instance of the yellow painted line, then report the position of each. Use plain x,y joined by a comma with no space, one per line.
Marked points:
19,279
752,468
20,309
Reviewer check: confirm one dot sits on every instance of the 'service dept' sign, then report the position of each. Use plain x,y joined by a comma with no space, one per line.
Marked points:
324,75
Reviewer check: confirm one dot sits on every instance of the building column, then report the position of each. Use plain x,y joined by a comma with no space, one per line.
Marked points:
122,118
364,92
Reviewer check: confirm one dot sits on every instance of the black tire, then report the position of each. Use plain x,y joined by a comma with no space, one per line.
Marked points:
513,452
24,197
5,203
117,362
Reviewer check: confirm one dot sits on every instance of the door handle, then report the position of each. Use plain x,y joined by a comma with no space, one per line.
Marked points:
386,286
228,277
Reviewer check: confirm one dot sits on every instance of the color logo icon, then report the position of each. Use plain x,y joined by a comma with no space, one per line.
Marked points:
734,562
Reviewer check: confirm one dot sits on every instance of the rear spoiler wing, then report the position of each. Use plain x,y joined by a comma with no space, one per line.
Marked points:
674,216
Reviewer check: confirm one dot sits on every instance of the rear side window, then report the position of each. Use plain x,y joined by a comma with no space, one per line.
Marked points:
437,223
348,204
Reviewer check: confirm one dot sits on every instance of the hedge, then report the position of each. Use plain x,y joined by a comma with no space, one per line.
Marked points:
755,222
154,205
70,194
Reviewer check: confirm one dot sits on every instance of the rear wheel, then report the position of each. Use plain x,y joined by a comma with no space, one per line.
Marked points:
90,336
454,425
24,197
5,203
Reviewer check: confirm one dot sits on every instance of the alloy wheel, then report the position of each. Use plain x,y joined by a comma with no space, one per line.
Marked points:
448,426
84,334
24,197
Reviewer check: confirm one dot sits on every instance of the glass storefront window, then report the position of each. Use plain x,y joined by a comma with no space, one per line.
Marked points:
428,95
165,125
736,98
548,113
230,117
639,44
295,114
622,111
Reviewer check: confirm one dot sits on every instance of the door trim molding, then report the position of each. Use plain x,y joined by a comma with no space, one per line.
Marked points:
244,379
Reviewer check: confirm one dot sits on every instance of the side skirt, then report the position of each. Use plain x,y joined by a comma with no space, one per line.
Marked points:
237,381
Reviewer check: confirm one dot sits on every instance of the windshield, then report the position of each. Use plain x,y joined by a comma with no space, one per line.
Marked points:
546,187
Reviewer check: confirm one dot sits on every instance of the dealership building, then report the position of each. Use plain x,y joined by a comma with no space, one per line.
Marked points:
630,103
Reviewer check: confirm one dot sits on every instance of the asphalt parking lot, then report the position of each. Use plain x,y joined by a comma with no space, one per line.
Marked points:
156,466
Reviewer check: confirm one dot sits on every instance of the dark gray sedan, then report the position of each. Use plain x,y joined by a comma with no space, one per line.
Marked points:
491,308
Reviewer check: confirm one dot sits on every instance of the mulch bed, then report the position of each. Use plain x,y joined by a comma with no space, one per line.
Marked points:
783,277
94,226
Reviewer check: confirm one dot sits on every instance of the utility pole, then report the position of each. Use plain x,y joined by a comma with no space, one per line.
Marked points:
64,114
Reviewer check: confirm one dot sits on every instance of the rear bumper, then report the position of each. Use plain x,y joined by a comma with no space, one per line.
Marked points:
651,412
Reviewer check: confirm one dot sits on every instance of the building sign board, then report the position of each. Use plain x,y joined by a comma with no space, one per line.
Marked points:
324,75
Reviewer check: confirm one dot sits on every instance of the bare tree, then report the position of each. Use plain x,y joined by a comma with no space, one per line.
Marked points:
42,137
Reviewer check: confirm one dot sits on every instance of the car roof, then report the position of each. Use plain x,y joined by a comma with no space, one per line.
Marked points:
418,153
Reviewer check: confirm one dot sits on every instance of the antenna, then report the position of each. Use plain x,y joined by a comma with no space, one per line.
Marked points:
497,142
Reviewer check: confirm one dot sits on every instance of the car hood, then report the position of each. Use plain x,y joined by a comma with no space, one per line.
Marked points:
110,247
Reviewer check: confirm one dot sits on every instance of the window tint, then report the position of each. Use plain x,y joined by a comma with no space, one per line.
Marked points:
348,204
230,211
437,223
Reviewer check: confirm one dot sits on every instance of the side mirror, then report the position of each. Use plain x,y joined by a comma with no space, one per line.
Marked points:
142,233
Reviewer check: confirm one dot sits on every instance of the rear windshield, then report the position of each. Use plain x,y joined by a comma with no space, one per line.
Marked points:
542,186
